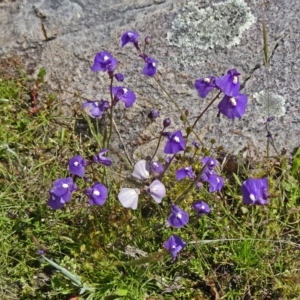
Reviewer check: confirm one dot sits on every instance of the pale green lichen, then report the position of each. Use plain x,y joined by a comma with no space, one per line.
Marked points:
270,104
199,28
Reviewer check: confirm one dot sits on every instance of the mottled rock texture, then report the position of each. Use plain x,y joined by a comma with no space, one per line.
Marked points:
191,39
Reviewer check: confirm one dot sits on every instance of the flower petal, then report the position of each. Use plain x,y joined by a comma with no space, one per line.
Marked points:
129,197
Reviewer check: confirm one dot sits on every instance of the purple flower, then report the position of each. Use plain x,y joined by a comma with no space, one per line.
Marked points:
178,217
201,207
153,114
210,162
175,143
119,77
157,190
229,84
255,191
130,36
150,67
141,170
95,109
41,252
63,187
156,168
124,94
97,194
185,172
205,85
215,182
104,61
61,192
55,202
270,119
100,158
233,107
129,197
77,165
174,245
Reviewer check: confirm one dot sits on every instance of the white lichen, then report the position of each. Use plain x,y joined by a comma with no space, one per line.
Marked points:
270,104
199,28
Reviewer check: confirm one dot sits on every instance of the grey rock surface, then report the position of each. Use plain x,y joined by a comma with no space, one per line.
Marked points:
190,39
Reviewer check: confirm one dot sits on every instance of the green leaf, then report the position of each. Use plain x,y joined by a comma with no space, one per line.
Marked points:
265,47
121,292
237,179
74,278
296,163
41,75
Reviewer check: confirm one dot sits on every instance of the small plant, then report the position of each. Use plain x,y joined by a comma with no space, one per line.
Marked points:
160,176
176,224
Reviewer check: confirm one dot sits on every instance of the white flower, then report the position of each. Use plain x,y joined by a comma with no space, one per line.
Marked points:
129,197
141,170
157,190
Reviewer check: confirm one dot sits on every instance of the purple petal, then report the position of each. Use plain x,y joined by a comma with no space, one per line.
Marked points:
178,217
150,67
104,61
124,94
97,194
255,191
77,165
129,36
229,83
100,158
215,183
119,77
55,202
201,207
205,85
174,245
210,162
175,143
233,107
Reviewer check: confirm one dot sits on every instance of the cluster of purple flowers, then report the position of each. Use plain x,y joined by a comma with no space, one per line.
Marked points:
149,173
105,62
233,105
62,189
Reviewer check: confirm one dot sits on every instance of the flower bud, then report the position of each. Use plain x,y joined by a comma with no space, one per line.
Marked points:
147,40
119,77
153,114
167,122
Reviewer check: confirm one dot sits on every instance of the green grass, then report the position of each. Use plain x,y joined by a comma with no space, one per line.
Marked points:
260,262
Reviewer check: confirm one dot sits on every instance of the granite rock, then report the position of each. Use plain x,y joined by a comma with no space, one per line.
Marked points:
190,39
